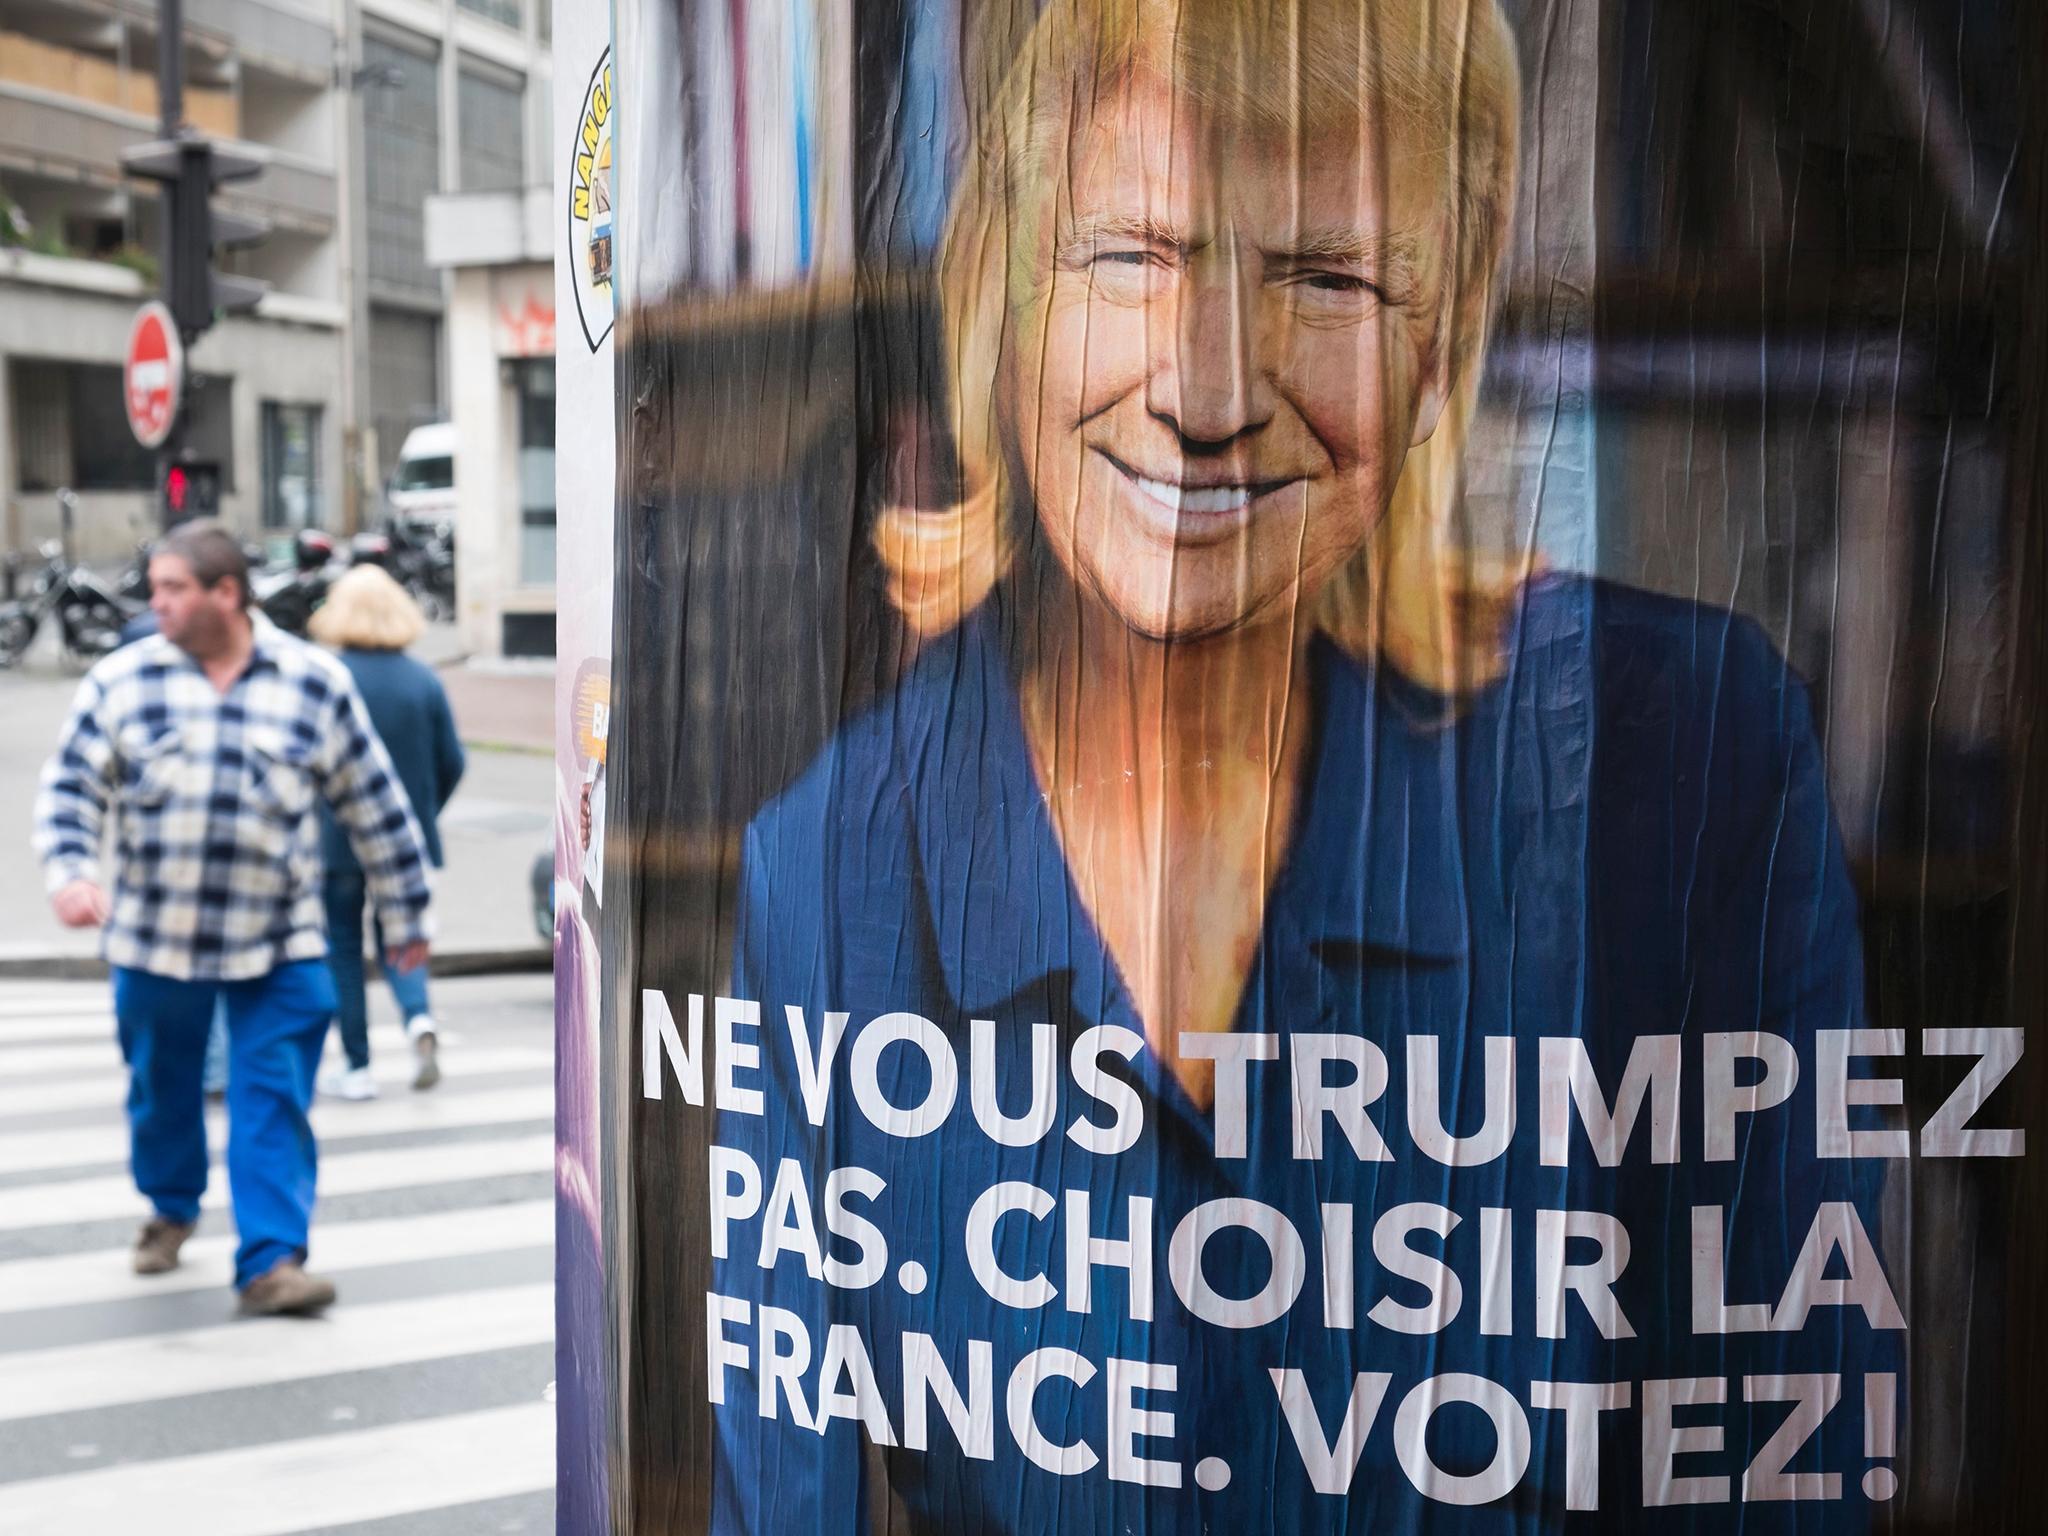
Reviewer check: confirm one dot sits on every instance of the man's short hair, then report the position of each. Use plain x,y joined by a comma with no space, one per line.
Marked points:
214,554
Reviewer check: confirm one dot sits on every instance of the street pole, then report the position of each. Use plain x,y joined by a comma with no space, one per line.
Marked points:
188,166
359,476
170,100
170,65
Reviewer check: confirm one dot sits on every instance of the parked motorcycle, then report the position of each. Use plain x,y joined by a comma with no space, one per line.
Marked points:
289,594
132,585
419,554
89,613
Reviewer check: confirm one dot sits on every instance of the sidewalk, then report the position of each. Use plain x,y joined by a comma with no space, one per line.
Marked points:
499,821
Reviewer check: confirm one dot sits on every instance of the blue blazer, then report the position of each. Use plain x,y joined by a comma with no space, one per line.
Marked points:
410,711
1627,836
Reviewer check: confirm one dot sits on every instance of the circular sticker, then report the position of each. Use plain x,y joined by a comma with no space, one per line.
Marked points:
590,206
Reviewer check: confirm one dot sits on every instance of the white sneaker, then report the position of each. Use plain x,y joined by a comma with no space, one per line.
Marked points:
356,1085
420,1030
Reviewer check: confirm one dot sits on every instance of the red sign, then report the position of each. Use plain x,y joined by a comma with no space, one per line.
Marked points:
153,378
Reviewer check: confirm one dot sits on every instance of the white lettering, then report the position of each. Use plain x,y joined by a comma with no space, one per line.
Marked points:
1283,1243
1836,1092
989,1207
1723,1100
658,1037
1567,1078
1425,1112
1005,1130
1039,1366
929,1113
1389,1246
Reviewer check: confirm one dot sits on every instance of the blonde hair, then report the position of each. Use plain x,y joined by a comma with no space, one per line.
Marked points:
367,611
1445,68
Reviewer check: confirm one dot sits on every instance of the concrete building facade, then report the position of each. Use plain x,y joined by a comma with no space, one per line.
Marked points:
497,251
360,110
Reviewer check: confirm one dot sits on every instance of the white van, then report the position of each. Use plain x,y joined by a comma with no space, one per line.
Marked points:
423,485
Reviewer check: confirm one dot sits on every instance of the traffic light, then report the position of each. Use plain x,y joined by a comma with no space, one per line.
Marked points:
189,168
191,489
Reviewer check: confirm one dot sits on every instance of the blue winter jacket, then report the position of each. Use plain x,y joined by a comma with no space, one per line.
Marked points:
411,714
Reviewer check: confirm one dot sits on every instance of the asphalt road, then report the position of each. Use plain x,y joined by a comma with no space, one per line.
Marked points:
420,1405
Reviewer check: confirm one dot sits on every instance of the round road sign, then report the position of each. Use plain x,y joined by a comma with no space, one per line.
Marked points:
153,379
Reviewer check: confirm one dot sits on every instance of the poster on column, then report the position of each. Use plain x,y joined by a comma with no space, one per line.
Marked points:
1320,806
581,204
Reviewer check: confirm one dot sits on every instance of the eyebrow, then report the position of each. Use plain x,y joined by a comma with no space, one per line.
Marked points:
1097,227
1392,257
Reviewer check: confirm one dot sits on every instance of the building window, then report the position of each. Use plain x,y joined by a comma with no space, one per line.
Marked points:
505,11
534,380
291,466
405,378
71,428
492,135
401,167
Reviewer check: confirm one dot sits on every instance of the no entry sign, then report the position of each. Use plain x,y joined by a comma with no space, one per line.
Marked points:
153,378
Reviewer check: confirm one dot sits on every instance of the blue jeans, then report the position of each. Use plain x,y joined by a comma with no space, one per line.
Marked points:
215,1076
276,1025
345,901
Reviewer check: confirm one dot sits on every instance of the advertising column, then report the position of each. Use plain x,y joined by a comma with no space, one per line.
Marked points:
584,254
1306,808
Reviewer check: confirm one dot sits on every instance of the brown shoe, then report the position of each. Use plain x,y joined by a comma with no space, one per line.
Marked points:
157,1245
426,1049
286,1291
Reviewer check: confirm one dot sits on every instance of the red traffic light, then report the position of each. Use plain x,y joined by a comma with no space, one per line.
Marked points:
191,489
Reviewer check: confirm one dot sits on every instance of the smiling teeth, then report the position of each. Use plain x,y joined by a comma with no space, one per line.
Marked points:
1218,498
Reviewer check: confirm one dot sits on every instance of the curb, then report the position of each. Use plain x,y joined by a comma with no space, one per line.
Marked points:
521,960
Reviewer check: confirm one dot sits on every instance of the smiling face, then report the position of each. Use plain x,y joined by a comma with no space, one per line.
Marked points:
1234,341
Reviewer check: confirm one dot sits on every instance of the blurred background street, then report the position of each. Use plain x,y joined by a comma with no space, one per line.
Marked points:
342,214
499,822
421,1404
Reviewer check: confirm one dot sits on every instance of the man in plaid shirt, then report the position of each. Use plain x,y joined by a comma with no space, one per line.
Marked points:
212,741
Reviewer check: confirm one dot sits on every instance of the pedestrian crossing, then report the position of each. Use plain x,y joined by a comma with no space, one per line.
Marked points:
264,1490
422,1403
336,1125
75,1077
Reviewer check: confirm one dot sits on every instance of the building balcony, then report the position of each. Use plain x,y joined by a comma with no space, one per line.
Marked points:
489,229
57,137
261,34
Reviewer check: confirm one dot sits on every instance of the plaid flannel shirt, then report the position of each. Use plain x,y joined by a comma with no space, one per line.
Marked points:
218,872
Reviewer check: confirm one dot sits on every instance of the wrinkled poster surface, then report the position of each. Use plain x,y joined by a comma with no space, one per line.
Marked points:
1318,808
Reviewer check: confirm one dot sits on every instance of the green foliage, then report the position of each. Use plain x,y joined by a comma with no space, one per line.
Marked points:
17,232
137,259
15,229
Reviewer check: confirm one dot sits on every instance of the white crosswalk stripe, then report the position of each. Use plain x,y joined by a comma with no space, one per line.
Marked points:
106,1196
97,1023
435,1464
133,1403
335,1124
74,1279
24,1018
254,1353
102,1081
